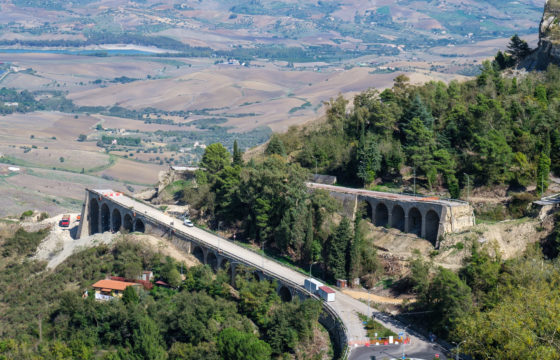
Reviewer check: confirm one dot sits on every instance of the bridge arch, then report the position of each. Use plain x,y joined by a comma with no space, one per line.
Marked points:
285,293
199,254
432,226
381,215
224,264
415,222
398,218
139,226
212,260
128,224
366,210
93,217
116,220
105,218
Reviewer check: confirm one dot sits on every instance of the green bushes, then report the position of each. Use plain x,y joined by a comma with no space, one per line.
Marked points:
26,214
442,131
23,242
43,216
201,319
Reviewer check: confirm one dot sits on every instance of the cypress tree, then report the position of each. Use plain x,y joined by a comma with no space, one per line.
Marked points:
237,155
338,249
543,170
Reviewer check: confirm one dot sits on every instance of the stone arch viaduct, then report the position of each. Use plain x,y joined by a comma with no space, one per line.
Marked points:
426,217
107,210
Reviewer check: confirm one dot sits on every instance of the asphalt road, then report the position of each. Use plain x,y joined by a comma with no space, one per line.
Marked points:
395,352
384,195
345,306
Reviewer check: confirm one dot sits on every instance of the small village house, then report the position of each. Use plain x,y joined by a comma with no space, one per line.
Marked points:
110,289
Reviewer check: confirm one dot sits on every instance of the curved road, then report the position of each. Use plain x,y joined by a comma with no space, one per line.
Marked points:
345,306
395,352
386,195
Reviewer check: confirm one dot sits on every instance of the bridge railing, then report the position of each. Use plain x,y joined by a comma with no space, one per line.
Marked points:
399,193
326,307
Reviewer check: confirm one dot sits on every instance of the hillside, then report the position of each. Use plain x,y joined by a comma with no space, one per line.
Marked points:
46,315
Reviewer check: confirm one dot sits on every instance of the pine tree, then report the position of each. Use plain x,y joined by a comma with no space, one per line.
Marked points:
237,155
417,109
368,159
275,146
503,60
518,48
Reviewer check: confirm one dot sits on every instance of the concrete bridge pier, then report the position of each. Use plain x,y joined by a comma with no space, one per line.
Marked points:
100,214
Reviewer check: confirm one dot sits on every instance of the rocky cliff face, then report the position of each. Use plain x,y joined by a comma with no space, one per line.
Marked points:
548,50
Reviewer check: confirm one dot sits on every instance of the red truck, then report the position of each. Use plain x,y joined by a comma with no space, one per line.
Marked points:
65,222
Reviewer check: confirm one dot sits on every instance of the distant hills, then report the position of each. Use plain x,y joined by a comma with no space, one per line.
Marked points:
322,30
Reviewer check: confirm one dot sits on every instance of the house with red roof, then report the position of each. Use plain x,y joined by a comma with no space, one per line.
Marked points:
110,289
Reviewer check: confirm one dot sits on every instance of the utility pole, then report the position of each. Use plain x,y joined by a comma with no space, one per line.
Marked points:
414,181
310,267
457,350
468,187
315,165
403,341
219,237
369,308
263,255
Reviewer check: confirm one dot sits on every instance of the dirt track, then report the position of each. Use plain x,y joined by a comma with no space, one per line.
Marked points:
360,295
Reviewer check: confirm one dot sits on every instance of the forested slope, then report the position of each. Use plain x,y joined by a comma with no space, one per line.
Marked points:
497,128
44,315
501,129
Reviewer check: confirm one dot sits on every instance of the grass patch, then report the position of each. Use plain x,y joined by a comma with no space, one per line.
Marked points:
175,189
374,328
112,161
386,283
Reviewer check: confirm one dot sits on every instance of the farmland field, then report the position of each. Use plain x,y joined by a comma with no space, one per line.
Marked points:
117,91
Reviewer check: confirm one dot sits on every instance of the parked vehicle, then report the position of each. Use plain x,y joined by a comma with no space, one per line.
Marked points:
312,285
65,222
326,293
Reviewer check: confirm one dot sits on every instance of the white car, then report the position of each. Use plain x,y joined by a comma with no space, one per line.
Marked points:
188,223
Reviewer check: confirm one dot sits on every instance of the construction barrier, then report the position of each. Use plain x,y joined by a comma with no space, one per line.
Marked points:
380,341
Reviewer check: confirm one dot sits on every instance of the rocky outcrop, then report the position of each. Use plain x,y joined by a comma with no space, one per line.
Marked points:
548,51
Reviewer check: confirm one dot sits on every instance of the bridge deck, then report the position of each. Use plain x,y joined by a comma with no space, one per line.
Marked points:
387,196
345,306
549,200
